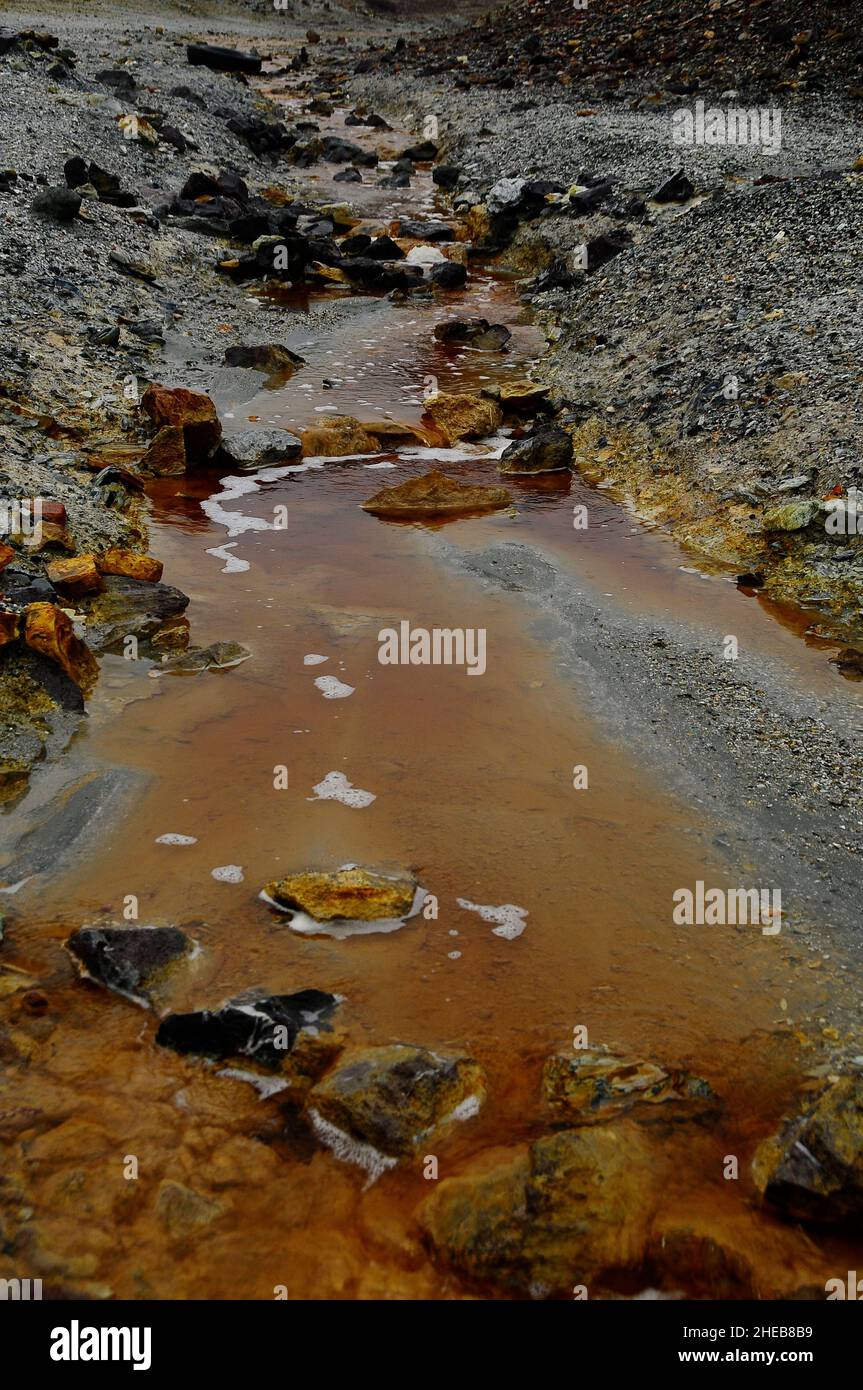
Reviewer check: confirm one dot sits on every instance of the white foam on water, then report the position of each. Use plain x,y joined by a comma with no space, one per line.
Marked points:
233,488
509,918
233,564
332,688
266,1086
336,787
314,659
172,839
453,955
348,1150
380,465
228,873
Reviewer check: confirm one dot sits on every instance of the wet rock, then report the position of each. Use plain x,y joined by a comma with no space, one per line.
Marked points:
222,59
477,333
263,137
790,516
849,659
519,397
340,435
547,450
394,1098
183,1211
131,608
448,275
256,448
355,895
190,411
166,455
446,176
349,175
134,961
272,358
593,1084
422,153
676,189
812,1169
257,1025
49,631
464,415
334,150
10,626
219,656
57,204
435,495
131,565
381,276
75,577
383,248
425,231
574,1208
21,586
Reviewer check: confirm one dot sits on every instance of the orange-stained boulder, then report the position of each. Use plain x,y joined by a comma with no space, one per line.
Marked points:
130,565
191,411
49,631
76,576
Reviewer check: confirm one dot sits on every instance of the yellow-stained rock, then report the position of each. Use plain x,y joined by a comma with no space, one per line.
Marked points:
166,456
10,624
464,415
49,631
341,434
131,565
344,895
75,577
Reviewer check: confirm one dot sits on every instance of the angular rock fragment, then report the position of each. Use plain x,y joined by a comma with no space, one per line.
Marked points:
675,189
132,608
593,1084
130,565
48,631
219,656
134,961
434,494
547,450
340,435
256,448
812,1169
477,333
222,59
394,1098
191,411
345,895
75,577
257,1025
272,358
464,416
166,455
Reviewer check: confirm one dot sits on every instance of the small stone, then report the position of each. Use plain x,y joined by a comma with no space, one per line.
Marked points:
463,416
256,448
131,564
434,494
75,577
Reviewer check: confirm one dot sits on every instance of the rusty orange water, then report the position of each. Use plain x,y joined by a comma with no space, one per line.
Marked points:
473,780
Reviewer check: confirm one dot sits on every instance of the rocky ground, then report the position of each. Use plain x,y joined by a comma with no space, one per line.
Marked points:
700,305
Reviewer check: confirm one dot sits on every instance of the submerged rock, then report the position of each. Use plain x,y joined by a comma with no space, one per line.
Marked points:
262,1026
272,358
256,448
592,1084
813,1168
464,415
132,608
573,1208
341,434
547,450
395,1097
219,656
133,961
434,494
477,333
345,895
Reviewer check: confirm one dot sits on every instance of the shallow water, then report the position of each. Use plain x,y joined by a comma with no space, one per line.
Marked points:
472,781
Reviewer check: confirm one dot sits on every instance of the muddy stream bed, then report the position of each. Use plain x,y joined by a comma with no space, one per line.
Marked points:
472,779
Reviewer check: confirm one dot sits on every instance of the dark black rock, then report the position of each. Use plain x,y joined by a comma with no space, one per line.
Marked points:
222,59
588,198
264,137
676,189
477,333
120,79
129,960
264,1027
349,175
448,275
337,151
58,204
426,231
547,450
356,245
422,153
445,175
383,248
